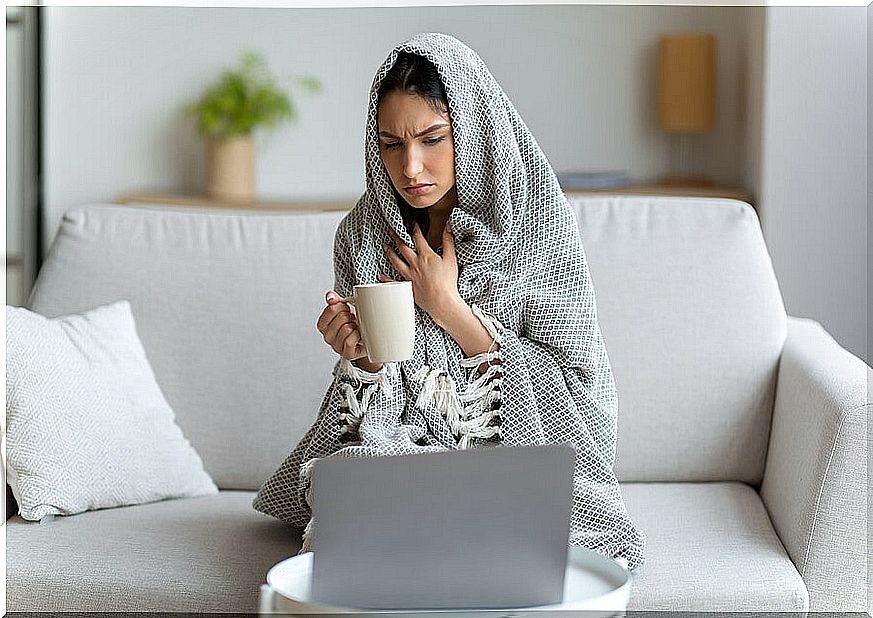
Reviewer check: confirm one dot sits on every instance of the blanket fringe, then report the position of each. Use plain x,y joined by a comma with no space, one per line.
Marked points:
305,476
352,413
307,537
473,412
350,418
379,378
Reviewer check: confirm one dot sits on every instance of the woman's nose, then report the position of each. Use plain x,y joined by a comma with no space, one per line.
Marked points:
412,165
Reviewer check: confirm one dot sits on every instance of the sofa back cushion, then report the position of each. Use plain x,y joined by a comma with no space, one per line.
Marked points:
226,303
694,323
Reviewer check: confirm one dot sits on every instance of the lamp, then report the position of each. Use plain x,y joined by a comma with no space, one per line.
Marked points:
686,97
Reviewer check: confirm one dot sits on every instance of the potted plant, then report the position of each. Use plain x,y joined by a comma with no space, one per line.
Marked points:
228,112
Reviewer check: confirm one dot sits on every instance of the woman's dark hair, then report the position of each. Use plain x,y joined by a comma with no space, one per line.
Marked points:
414,74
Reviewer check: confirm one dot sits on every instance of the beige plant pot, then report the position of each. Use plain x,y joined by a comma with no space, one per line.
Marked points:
230,169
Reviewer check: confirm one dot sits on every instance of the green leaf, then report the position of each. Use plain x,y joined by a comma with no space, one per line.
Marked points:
242,99
310,83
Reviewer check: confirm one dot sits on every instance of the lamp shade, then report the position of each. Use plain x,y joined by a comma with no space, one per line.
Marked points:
686,83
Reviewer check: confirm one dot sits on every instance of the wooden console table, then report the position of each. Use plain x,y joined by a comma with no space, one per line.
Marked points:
735,193
183,199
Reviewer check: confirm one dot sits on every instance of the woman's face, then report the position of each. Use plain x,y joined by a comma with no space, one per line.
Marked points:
417,149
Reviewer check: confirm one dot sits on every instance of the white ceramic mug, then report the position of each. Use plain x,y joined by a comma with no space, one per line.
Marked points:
386,316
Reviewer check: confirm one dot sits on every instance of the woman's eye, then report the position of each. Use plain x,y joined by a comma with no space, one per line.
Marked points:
431,142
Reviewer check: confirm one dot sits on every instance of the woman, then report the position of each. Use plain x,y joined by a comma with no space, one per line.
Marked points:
508,348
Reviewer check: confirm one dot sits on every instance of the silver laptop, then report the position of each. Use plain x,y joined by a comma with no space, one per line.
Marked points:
479,528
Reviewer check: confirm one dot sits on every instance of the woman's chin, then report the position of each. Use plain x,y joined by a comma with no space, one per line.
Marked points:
420,202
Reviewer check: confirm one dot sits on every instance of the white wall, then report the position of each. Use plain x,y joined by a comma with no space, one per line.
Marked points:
813,191
869,264
752,67
14,163
791,121
581,76
21,206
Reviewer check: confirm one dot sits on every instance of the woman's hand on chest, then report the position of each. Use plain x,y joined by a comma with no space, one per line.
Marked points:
434,277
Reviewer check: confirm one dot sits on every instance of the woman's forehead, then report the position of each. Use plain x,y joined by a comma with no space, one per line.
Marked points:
409,113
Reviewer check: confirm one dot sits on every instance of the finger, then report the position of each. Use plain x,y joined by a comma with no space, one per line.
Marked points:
384,278
342,334
420,241
333,298
328,314
330,333
401,266
350,345
448,242
333,308
403,249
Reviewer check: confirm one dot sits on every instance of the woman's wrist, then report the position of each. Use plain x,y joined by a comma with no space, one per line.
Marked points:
365,364
461,323
450,313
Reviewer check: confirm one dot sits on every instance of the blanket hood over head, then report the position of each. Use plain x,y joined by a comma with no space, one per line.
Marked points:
512,224
523,271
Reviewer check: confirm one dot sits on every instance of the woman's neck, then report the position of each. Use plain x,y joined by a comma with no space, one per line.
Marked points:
439,214
435,233
443,208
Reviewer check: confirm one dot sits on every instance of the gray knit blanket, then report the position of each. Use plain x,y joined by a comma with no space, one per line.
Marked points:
523,271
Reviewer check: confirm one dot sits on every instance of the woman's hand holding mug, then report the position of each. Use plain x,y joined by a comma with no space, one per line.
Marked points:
341,332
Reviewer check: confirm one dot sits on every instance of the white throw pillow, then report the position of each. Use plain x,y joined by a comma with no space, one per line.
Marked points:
87,426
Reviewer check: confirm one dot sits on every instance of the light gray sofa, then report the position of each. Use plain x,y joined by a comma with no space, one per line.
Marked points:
742,435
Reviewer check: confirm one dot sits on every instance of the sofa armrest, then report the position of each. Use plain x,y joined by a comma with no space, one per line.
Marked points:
815,480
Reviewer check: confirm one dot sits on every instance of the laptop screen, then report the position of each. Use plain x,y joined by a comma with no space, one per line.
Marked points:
479,528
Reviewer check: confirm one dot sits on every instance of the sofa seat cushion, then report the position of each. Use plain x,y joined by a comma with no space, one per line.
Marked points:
711,547
204,554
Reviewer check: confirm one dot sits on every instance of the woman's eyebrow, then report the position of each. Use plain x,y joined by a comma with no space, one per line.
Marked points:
425,132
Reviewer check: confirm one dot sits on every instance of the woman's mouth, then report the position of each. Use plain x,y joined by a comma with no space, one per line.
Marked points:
418,190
